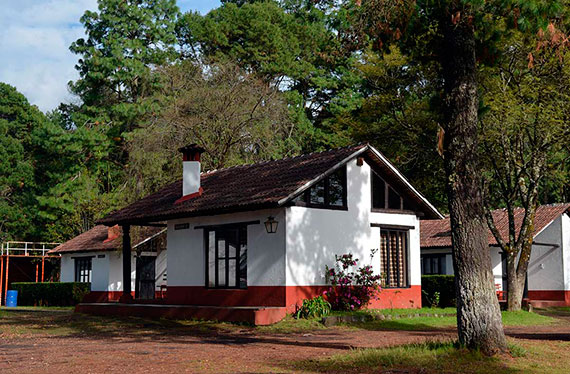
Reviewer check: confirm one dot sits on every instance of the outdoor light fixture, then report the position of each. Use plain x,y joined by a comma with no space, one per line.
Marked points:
271,225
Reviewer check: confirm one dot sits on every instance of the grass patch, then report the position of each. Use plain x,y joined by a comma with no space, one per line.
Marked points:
292,325
398,312
520,318
446,357
523,318
440,357
517,350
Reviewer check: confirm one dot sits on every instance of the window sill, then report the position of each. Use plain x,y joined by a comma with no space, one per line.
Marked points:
329,207
393,211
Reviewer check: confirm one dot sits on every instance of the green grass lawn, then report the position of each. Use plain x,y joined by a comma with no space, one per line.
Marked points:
58,322
521,318
446,357
400,312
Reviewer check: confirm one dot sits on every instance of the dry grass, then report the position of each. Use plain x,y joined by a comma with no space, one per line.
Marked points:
446,357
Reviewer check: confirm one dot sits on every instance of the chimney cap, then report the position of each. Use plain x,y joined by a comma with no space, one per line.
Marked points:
192,148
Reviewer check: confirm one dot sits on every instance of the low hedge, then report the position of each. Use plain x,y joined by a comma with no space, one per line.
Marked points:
444,284
51,294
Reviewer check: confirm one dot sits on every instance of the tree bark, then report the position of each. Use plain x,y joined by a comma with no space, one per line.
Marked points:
479,321
515,284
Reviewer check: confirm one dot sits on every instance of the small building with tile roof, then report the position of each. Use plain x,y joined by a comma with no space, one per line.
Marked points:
95,257
252,242
548,276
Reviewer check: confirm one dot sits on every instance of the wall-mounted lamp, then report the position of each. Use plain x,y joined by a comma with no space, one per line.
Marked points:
271,225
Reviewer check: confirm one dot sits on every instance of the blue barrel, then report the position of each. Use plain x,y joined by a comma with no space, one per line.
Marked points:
11,299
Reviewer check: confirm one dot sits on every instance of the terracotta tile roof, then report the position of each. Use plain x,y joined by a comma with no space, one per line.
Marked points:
242,188
95,240
437,233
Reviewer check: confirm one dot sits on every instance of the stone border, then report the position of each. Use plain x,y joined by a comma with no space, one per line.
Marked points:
359,318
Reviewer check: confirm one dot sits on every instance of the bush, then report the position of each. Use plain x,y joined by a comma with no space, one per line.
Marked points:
352,287
51,294
442,284
315,307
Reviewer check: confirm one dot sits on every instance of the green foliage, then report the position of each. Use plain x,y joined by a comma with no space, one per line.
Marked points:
293,45
124,39
17,119
51,294
401,99
232,114
314,308
443,286
525,105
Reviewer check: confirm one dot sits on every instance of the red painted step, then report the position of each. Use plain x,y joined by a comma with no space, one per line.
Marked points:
254,315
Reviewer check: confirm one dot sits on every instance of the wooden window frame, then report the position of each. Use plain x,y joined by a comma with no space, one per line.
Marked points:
387,188
241,228
399,260
442,257
77,269
326,204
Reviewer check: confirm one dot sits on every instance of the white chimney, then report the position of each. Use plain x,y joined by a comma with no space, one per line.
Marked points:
191,169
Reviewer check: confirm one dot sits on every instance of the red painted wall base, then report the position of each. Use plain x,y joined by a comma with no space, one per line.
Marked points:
387,298
278,299
561,298
255,316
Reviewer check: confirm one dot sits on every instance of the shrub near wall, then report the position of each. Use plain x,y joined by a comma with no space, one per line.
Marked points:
444,284
51,294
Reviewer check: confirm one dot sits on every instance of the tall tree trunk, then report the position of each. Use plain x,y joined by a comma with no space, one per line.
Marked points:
478,314
515,283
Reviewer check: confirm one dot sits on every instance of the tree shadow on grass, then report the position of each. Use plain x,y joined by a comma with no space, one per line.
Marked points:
425,324
428,357
133,329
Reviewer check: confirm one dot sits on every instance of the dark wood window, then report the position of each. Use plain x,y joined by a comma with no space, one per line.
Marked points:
394,258
384,196
328,193
378,192
83,269
433,264
226,257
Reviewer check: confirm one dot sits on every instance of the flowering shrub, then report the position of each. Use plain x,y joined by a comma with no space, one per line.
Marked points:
352,287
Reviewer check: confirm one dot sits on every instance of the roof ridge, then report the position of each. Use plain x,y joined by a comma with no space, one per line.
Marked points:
285,158
551,205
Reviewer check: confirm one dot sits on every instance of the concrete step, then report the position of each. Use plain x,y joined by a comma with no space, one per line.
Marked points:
253,315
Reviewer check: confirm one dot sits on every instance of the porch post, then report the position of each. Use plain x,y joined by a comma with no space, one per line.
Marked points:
126,264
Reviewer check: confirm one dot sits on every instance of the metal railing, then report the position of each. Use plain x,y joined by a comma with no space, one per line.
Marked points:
26,248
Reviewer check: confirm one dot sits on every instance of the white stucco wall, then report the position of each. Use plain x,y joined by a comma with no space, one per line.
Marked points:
99,271
265,252
106,270
565,224
161,269
549,258
116,271
67,268
314,236
546,266
497,265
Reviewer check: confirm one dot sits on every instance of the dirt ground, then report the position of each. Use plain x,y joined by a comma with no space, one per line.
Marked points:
49,342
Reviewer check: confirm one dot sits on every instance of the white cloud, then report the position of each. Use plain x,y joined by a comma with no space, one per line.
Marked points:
35,36
34,47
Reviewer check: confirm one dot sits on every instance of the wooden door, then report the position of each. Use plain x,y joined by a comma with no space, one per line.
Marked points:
146,271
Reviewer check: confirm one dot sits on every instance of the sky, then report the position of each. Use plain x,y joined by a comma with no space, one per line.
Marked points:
35,36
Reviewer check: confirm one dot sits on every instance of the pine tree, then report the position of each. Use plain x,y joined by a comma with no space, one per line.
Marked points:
458,35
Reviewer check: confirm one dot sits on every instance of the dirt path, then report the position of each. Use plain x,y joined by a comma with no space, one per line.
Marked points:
240,352
138,348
